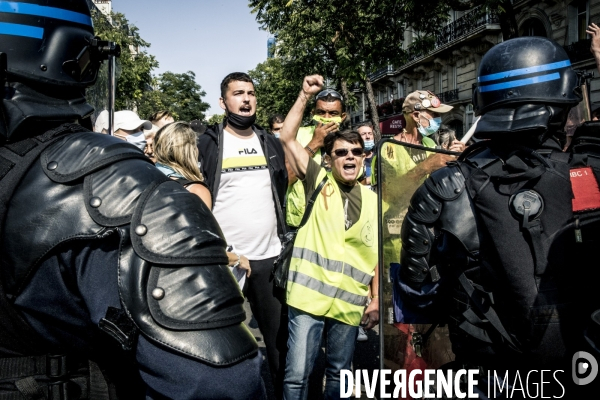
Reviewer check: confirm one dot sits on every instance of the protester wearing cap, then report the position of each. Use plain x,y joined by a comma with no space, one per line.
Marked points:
129,127
422,112
328,114
101,124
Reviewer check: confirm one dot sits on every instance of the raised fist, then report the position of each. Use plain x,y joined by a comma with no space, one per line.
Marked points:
312,84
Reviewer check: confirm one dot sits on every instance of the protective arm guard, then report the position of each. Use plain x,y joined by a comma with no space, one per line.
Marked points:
174,282
440,215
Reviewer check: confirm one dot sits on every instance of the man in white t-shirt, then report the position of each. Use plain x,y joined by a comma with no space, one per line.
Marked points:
245,169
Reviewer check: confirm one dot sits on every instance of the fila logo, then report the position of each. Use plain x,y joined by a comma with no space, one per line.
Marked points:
247,151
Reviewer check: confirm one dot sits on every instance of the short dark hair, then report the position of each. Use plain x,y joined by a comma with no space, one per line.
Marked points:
275,119
160,115
347,135
234,76
329,99
366,124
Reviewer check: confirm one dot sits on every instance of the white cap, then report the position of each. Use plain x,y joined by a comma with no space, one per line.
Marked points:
101,121
152,131
130,121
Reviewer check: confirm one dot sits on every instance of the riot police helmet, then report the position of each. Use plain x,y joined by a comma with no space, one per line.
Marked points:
525,70
49,43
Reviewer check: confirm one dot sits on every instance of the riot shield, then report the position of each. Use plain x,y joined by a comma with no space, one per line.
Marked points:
407,340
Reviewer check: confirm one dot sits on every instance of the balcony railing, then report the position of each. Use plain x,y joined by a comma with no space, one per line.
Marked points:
579,51
466,24
381,72
448,96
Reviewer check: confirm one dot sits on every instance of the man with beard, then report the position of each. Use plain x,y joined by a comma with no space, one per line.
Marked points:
245,169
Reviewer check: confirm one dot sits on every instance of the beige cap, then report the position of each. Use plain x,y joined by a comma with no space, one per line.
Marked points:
420,100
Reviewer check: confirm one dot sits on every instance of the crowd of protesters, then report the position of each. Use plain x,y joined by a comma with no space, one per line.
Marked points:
258,183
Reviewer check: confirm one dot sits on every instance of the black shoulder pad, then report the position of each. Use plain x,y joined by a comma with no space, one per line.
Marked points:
458,219
483,158
173,226
424,207
414,269
446,183
416,238
112,193
192,310
41,215
82,153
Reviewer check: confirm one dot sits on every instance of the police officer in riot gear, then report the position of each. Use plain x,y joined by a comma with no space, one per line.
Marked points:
489,243
113,279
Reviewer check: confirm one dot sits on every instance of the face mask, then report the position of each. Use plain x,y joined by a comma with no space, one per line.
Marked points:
137,139
276,135
434,125
324,121
239,121
369,144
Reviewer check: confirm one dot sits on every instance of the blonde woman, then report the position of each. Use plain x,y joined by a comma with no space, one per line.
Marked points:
176,155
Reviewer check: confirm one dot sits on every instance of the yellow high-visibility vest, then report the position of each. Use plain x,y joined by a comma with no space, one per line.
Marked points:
331,267
296,199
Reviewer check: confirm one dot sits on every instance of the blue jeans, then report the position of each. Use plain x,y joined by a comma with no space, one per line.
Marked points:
304,342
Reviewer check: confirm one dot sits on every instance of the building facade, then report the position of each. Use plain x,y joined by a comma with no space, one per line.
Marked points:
450,69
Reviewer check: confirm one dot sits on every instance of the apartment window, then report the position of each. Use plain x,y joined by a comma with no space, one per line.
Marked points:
452,78
438,85
577,13
420,84
469,116
582,21
534,27
400,89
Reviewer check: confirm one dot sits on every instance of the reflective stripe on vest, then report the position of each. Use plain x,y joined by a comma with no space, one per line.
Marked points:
296,198
331,267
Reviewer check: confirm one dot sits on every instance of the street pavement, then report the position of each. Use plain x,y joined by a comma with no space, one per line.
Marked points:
366,356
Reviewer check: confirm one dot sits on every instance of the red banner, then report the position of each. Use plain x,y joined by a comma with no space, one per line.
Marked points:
393,125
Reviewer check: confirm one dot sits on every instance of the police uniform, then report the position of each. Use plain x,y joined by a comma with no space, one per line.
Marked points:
488,242
114,279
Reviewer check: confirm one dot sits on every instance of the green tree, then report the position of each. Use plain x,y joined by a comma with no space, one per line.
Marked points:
215,119
134,67
277,87
178,93
344,41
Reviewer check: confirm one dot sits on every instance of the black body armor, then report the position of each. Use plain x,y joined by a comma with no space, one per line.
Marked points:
173,280
475,232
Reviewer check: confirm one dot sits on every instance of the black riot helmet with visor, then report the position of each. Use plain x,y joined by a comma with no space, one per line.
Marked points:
524,85
48,56
49,42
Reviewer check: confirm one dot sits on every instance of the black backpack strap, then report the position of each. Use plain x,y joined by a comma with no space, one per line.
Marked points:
311,202
280,214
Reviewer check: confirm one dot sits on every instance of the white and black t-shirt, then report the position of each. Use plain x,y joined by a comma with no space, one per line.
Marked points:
244,207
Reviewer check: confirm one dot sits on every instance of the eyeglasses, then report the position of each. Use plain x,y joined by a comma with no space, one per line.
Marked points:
357,151
329,92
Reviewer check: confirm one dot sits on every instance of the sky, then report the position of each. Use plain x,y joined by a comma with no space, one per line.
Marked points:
209,37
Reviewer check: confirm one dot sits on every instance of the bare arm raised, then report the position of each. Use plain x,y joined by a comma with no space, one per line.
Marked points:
294,152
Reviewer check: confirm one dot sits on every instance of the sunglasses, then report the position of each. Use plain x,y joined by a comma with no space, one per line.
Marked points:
329,92
357,151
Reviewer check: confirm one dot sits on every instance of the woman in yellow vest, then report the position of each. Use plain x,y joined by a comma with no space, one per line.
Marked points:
334,261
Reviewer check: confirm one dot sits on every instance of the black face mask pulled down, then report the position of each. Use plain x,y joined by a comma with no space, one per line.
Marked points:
239,121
